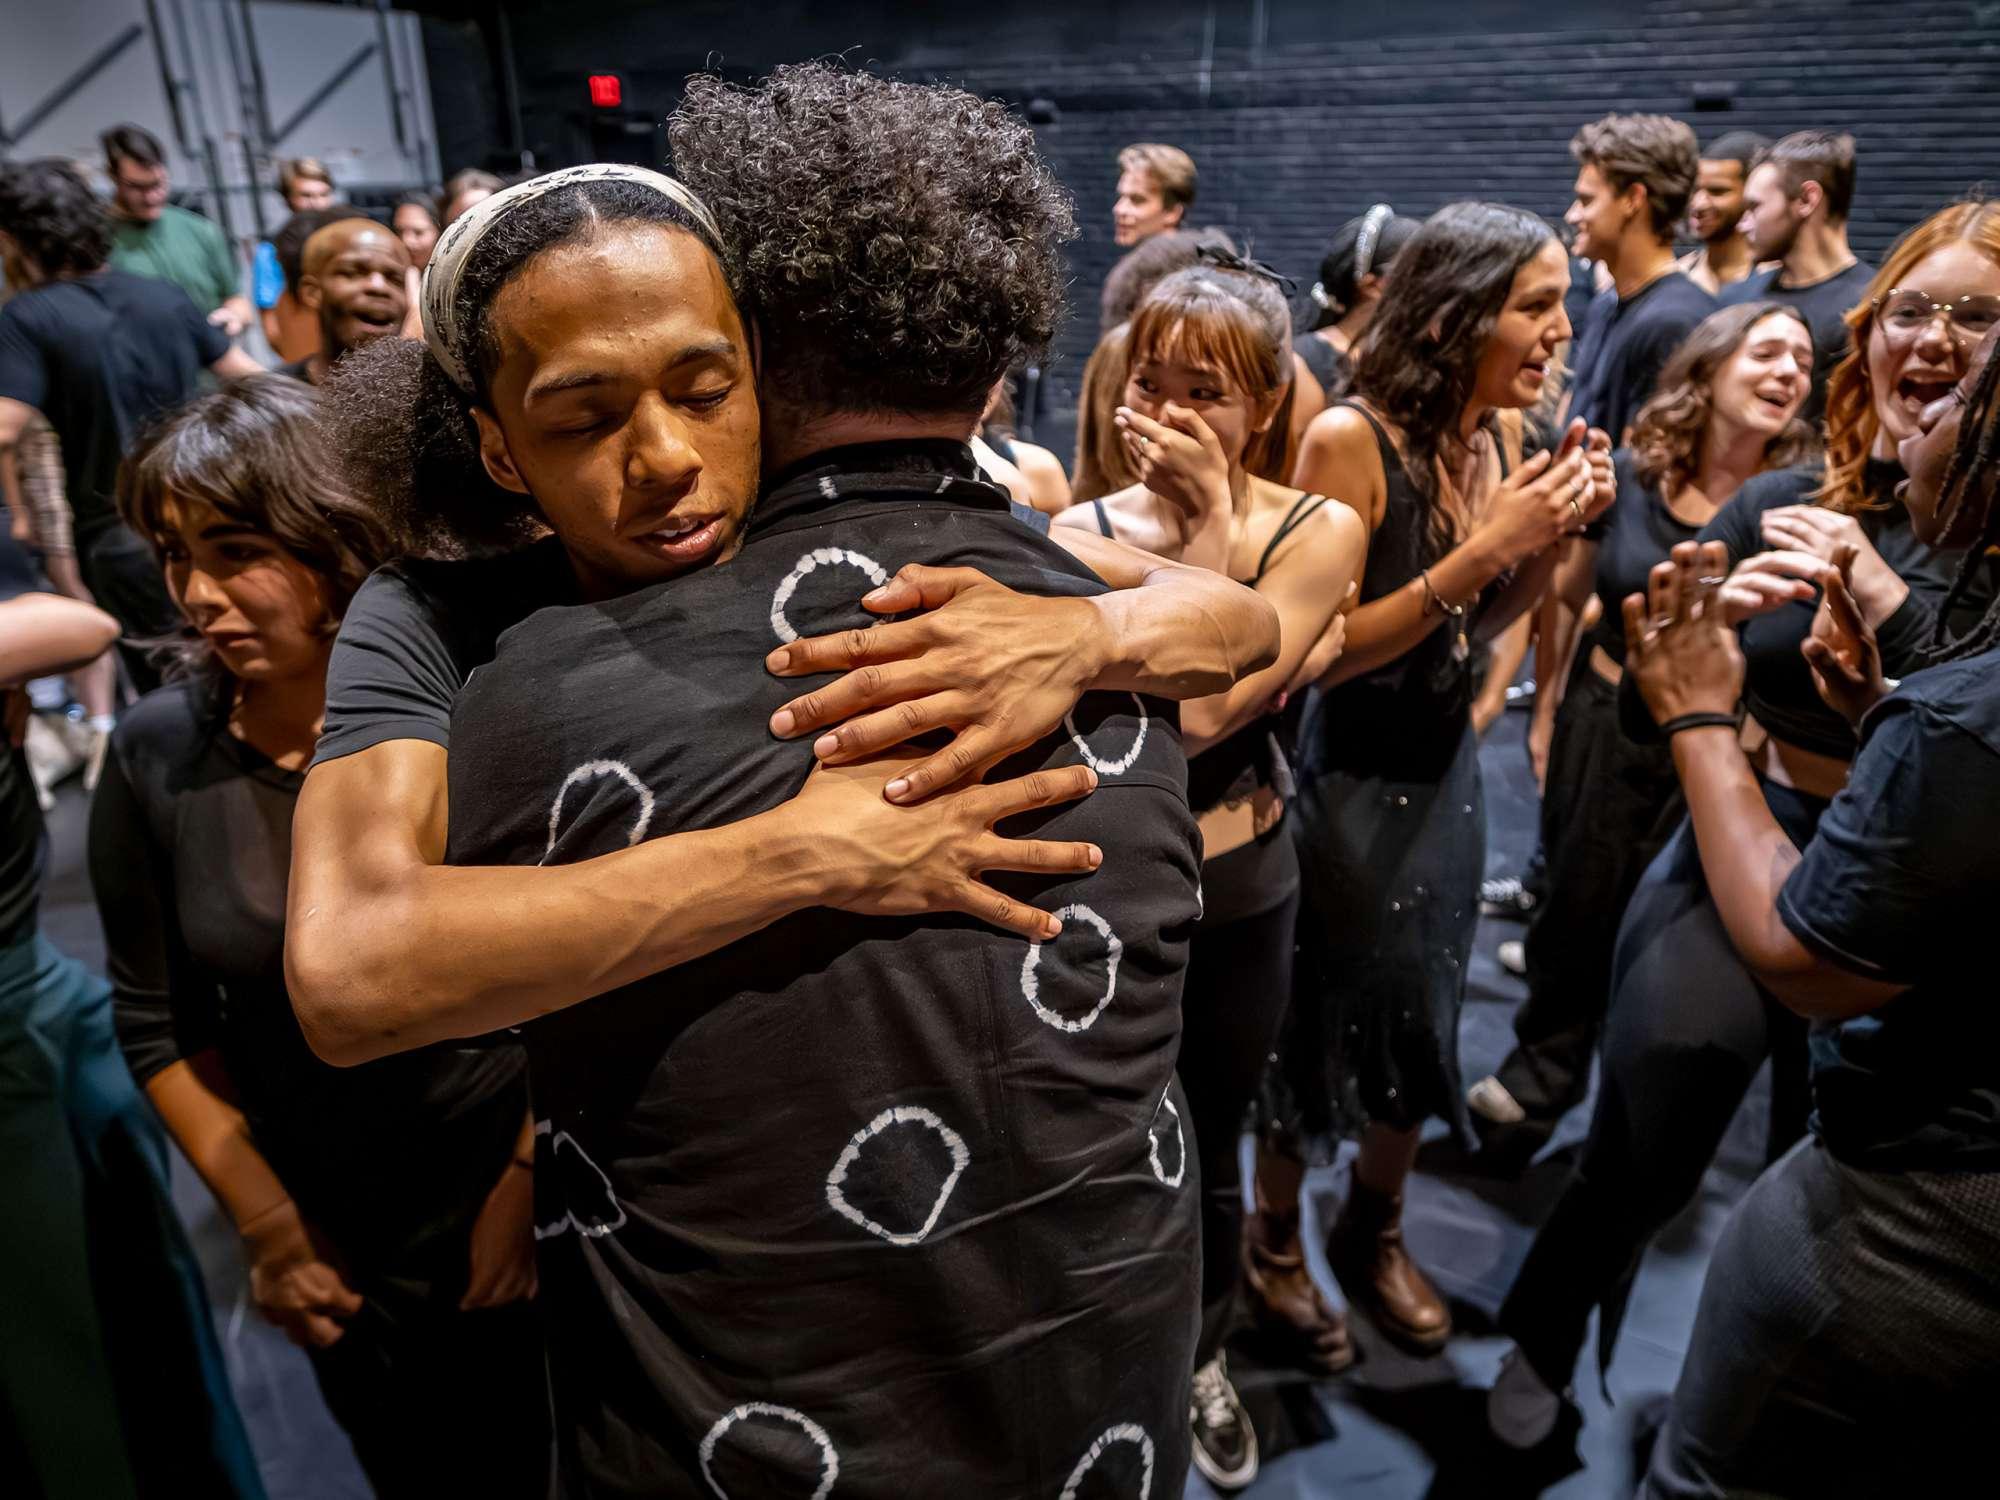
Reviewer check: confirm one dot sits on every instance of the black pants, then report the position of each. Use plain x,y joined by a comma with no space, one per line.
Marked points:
440,1402
1608,808
1848,1340
1239,982
1686,1032
124,577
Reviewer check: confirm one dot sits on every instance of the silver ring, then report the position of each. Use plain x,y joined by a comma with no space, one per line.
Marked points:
1144,442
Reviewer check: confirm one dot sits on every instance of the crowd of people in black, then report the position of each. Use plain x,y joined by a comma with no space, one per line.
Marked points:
716,921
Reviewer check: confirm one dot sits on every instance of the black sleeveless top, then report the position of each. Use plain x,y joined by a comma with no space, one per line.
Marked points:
1233,767
1403,718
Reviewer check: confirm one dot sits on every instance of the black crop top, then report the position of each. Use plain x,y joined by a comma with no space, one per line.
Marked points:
1637,532
1778,687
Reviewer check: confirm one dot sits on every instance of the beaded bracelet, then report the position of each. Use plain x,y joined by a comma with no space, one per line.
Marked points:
1432,596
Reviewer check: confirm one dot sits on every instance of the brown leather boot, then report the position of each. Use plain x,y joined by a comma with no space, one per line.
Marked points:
1289,1310
1374,1269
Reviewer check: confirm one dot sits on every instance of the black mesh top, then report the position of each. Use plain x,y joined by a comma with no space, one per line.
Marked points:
190,845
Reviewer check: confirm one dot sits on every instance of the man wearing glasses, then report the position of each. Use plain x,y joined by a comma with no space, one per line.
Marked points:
1795,208
151,237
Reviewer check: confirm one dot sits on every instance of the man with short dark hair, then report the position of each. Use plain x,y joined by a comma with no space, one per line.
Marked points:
353,277
98,352
151,237
1634,177
1795,209
1715,212
1155,191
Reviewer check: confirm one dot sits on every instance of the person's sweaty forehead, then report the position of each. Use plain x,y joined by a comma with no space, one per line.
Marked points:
347,235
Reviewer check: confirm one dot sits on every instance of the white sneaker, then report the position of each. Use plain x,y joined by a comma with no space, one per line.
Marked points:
1490,1099
1225,1444
1520,1410
1513,956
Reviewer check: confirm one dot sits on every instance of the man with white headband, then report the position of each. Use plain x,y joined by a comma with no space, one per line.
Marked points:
816,1250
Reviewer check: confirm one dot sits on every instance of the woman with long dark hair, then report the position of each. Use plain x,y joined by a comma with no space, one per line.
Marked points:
386,1212
1206,388
1848,1340
1390,830
1726,411
1348,291
1688,1025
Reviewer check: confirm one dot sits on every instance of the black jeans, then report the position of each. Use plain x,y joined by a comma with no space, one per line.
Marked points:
1687,1030
442,1402
1239,983
1607,810
1848,1340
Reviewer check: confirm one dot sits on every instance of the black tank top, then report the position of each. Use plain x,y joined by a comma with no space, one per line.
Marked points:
1231,768
1405,716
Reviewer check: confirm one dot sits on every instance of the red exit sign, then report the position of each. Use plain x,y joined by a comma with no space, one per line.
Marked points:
607,90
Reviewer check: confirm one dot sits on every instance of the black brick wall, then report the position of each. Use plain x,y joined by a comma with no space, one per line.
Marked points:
1301,114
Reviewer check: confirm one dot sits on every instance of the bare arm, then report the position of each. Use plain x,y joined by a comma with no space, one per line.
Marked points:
1746,857
1000,668
198,1107
387,949
41,634
1684,658
235,365
1306,584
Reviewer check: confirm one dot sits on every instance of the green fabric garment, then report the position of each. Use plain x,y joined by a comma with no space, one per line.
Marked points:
180,247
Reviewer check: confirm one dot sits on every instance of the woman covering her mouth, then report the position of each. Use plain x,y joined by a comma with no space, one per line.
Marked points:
1688,1025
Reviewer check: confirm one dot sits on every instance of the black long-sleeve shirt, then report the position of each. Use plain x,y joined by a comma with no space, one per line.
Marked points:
190,844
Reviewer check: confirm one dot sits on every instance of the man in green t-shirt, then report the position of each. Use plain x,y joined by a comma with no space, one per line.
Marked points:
151,237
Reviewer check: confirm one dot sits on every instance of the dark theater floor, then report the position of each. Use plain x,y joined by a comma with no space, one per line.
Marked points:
1393,1428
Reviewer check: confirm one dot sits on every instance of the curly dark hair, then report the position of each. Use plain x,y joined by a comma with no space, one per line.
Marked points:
898,245
59,223
1667,432
403,435
1972,477
1419,360
255,452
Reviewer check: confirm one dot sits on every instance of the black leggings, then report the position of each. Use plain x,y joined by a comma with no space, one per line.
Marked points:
1609,807
1239,982
1686,1032
442,1402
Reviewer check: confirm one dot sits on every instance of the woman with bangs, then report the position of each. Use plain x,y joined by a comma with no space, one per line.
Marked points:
386,1211
1390,829
1205,425
1726,411
1688,1025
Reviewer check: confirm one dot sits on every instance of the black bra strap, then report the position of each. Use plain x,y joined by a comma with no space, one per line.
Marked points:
1301,511
1103,516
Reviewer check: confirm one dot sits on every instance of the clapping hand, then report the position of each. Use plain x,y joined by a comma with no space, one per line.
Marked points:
1842,651
1679,647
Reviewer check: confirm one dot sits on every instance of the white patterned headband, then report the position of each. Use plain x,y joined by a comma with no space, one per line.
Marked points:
455,246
